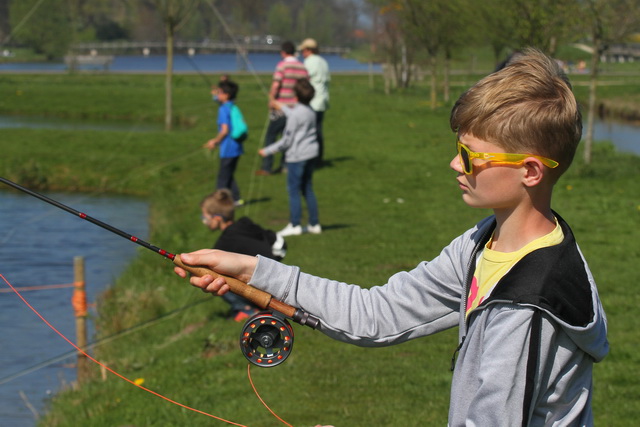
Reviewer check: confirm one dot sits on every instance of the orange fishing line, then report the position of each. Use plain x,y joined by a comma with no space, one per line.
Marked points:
37,288
260,398
114,372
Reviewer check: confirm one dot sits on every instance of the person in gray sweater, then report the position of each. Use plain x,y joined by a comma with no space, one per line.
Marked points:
531,323
300,143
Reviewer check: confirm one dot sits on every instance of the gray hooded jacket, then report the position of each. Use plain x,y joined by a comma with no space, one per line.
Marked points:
526,353
299,141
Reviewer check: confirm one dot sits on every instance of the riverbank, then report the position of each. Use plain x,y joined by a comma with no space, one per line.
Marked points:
387,201
618,96
628,111
38,246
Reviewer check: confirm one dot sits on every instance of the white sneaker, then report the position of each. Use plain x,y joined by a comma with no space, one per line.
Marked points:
314,229
279,247
291,230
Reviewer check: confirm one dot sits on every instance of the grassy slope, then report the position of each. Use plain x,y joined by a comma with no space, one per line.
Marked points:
388,202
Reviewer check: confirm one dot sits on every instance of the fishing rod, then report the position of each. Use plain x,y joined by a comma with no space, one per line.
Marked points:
266,340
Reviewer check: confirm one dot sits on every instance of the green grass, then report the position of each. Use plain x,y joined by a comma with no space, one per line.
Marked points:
388,202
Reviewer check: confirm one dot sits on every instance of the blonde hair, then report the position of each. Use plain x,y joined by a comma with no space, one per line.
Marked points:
527,107
220,203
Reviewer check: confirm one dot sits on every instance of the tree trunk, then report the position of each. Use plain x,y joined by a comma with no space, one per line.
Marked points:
404,67
168,98
447,71
434,81
591,112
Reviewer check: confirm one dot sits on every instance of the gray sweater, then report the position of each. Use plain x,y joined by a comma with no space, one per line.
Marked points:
525,354
299,136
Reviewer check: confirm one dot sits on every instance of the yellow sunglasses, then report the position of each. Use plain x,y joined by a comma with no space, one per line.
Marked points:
466,156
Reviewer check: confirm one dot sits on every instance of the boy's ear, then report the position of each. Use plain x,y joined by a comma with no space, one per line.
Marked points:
534,172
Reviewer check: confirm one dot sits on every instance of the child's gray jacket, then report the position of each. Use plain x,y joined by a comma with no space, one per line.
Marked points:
299,140
526,353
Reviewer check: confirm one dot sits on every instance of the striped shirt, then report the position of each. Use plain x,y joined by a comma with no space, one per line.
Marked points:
287,72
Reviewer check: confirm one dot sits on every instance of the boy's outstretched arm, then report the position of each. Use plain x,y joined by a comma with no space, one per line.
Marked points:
213,143
230,264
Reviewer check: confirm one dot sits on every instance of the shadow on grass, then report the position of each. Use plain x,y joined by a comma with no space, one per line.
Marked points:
334,227
329,163
256,201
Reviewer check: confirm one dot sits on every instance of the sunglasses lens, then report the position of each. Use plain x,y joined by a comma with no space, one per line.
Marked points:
464,157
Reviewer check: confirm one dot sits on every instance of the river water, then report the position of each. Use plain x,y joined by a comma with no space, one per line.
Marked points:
206,63
38,243
625,136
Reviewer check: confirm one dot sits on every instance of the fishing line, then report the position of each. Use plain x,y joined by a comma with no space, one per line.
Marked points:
260,398
99,342
260,298
38,288
242,52
239,49
102,365
15,224
22,22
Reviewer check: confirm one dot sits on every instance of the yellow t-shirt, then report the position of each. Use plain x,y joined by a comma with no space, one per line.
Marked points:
493,265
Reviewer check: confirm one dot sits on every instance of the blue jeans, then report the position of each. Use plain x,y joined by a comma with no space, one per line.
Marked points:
225,176
299,182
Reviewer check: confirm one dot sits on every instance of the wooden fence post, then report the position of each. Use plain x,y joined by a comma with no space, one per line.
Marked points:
79,302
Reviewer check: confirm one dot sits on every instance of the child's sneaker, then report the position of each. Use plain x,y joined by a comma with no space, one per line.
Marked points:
314,229
291,230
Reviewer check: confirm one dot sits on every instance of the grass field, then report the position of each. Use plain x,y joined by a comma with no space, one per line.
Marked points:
387,202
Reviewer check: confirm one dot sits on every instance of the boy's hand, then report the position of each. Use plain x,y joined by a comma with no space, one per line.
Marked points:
262,153
273,104
230,264
211,144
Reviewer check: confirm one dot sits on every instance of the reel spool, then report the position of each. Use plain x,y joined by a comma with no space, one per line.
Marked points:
266,340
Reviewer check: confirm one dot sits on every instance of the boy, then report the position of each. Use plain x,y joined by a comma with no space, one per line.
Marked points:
242,236
531,322
301,145
230,149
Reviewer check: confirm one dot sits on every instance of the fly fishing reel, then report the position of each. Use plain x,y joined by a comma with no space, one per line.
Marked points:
266,339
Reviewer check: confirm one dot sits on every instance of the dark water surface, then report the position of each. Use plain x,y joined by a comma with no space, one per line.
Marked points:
38,243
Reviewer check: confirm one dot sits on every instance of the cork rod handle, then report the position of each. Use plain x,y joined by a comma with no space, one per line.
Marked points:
260,298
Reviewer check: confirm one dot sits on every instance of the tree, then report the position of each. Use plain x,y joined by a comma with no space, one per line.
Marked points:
280,20
5,27
607,21
541,23
47,29
433,24
497,26
515,24
391,42
317,21
174,13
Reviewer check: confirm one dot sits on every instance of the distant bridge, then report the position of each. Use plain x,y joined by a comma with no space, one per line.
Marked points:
191,47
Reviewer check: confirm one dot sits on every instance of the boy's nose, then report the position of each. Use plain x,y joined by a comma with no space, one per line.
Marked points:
455,164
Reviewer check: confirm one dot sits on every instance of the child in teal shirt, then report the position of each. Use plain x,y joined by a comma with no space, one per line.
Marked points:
230,149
